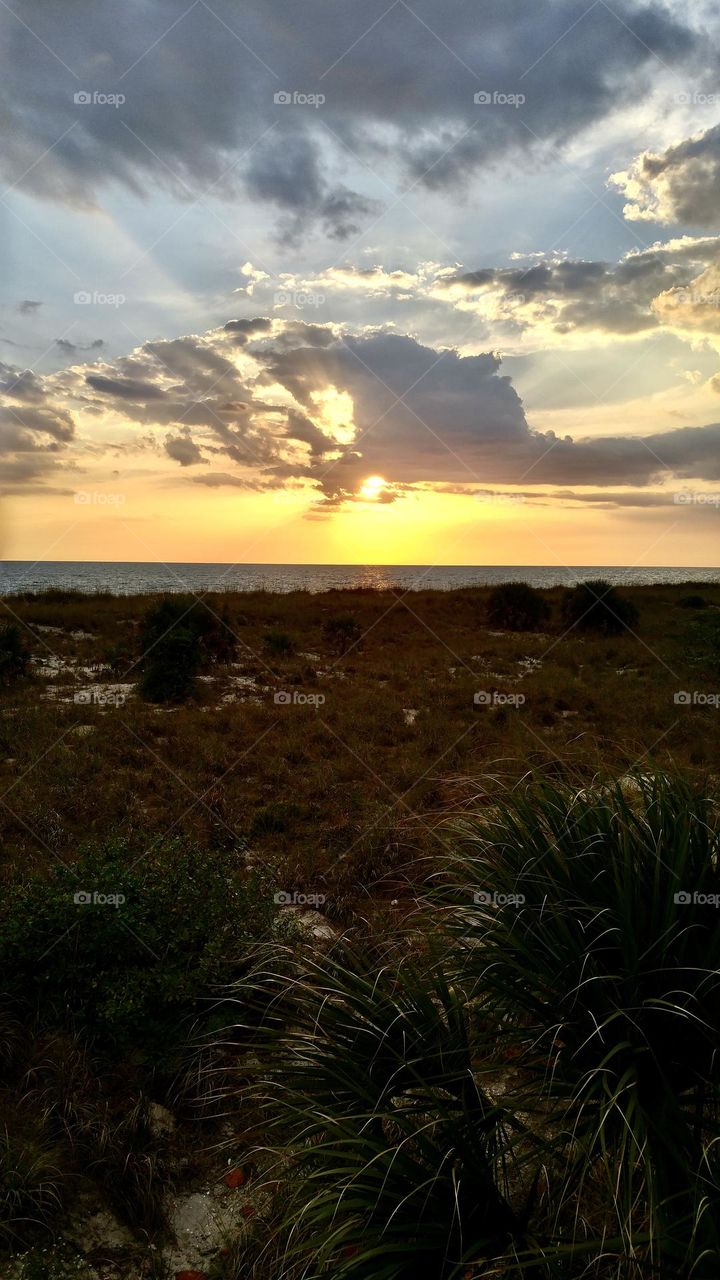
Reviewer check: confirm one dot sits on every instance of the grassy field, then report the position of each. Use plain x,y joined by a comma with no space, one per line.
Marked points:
314,760
343,782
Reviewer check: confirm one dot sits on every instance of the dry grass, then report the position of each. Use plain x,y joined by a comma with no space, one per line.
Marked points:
334,796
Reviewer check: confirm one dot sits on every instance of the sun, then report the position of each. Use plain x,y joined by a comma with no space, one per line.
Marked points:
371,488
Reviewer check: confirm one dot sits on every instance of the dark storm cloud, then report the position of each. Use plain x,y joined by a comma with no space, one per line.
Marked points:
28,307
679,185
288,172
198,89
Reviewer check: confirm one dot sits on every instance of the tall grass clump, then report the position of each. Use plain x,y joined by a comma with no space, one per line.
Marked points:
588,931
529,1087
396,1159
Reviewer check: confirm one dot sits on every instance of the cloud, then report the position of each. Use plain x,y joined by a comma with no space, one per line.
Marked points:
680,185
28,306
324,418
71,349
183,449
125,388
543,304
574,296
198,86
244,330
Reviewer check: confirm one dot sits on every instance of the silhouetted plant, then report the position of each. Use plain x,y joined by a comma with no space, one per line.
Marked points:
596,606
588,938
171,667
342,633
278,644
211,632
14,654
515,606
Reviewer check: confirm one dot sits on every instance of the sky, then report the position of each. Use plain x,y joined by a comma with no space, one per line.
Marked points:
384,283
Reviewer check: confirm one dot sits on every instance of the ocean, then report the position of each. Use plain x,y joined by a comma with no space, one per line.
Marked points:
129,578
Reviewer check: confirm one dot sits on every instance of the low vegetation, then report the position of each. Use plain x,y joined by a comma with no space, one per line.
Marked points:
515,606
596,606
535,1086
262,859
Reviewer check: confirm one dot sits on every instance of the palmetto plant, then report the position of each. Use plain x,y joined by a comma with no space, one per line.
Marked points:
587,929
397,1161
527,1088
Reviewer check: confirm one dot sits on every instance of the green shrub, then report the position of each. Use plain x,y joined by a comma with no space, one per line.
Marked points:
212,631
171,668
129,974
178,639
693,602
342,633
515,606
596,606
119,657
14,654
278,644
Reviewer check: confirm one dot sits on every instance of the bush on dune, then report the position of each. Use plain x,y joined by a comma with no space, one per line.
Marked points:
125,944
515,606
596,606
14,654
178,639
342,633
171,668
278,644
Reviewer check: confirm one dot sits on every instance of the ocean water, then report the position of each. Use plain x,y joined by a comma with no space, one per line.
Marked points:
131,578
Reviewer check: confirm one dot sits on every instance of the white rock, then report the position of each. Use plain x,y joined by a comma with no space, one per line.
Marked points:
161,1122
